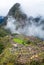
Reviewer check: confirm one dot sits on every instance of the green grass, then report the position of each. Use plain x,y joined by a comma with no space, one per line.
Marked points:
24,41
42,64
18,40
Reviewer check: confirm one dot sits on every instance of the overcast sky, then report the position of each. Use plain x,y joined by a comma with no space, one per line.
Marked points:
30,7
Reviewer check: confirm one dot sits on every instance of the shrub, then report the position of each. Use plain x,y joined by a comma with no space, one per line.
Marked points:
1,48
34,63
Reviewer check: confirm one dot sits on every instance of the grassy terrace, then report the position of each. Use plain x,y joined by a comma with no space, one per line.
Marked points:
23,41
20,41
10,55
17,40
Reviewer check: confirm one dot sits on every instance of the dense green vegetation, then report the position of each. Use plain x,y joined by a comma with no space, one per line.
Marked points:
3,32
25,41
29,51
1,47
18,40
35,63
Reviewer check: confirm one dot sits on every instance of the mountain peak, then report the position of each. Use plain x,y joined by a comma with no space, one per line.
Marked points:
14,8
17,13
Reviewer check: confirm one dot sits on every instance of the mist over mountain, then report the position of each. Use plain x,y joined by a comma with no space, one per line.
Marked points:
18,22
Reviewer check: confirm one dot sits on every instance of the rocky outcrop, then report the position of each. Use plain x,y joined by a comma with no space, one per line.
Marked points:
16,12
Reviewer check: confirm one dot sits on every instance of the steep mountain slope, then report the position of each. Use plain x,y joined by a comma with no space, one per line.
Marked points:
21,50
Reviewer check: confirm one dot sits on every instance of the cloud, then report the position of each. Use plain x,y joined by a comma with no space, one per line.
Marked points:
36,29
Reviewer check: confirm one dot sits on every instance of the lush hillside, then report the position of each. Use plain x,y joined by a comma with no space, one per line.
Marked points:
21,50
3,32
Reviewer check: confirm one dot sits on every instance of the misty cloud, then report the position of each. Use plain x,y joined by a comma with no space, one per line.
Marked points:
33,29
